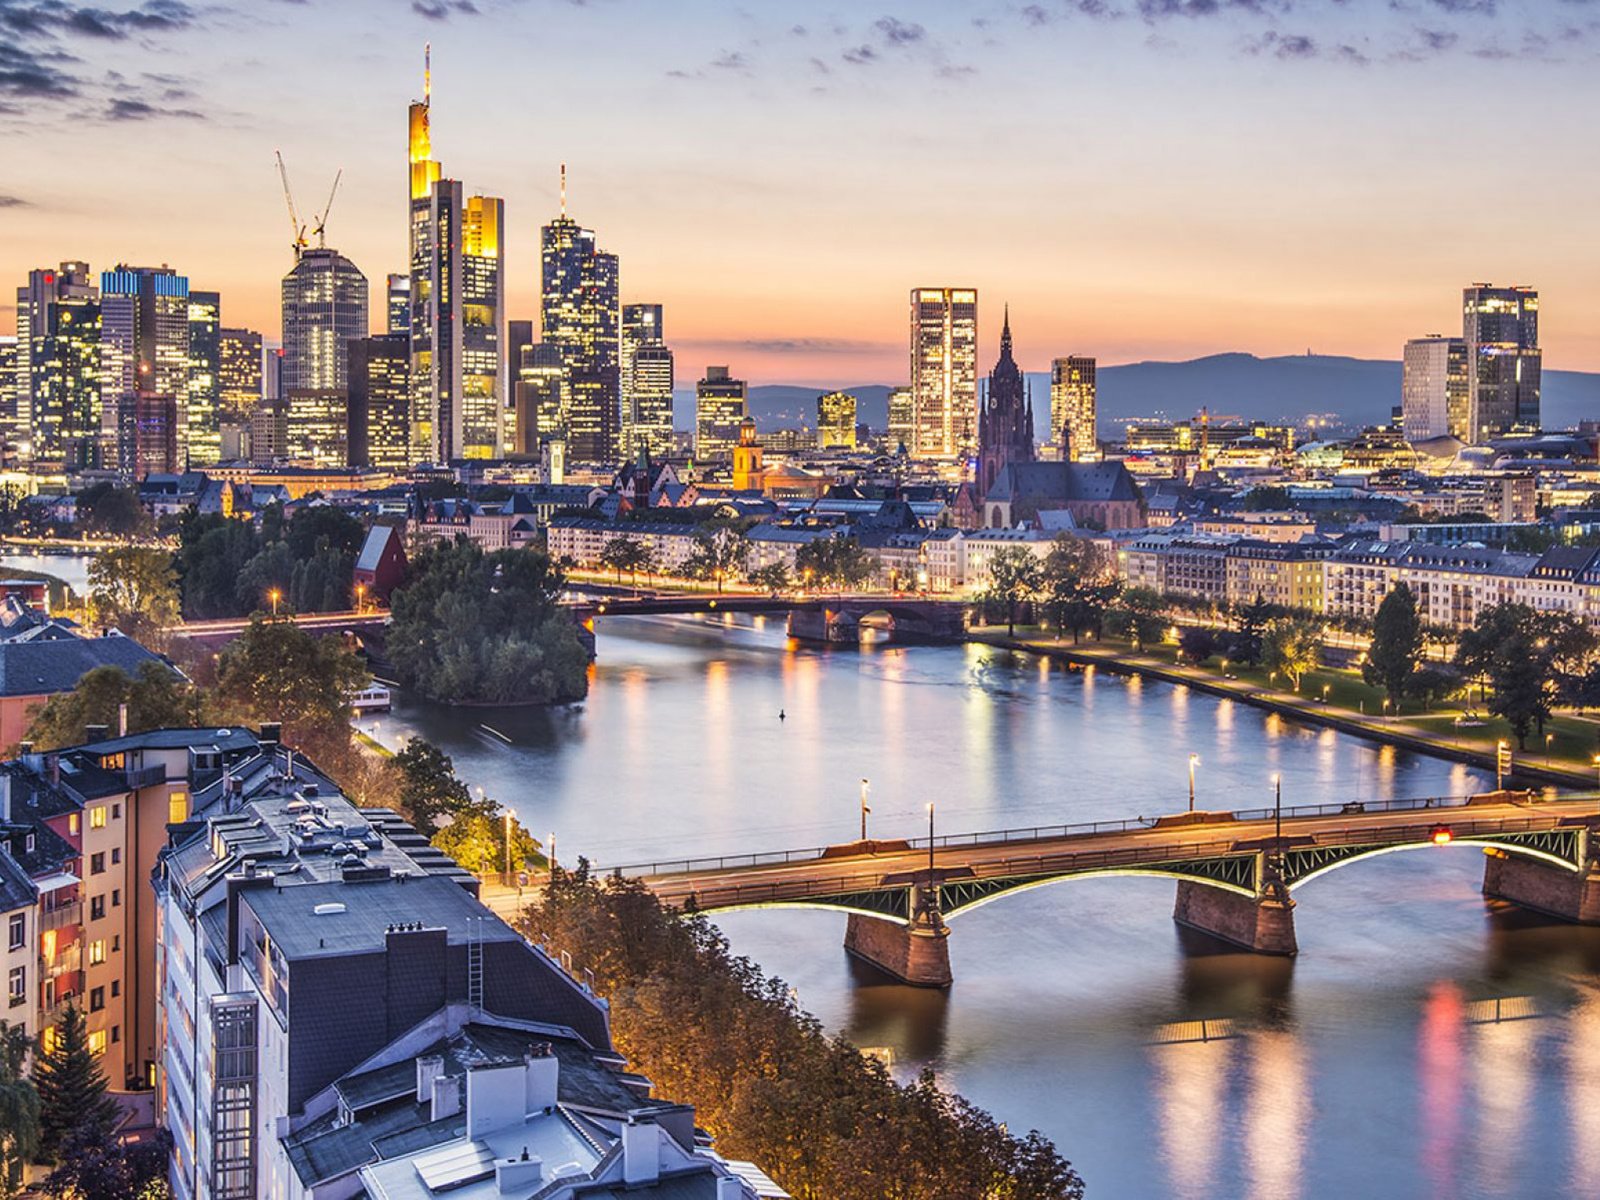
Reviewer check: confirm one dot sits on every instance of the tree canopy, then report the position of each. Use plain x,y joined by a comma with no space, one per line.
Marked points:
839,562
719,554
1397,644
470,626
1015,576
157,698
1078,585
72,1088
135,589
228,568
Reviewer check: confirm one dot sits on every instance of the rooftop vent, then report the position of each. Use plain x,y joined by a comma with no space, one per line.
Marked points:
332,908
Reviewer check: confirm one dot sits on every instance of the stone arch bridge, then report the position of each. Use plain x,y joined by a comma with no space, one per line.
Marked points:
1235,871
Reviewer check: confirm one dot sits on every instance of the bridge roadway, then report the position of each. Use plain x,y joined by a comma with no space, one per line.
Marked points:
1234,872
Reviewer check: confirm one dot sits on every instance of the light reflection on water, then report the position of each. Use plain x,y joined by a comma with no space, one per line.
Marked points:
1359,1069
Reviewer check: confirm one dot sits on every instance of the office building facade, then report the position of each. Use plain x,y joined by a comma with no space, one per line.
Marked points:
205,378
720,408
944,374
379,410
579,313
324,307
1073,409
836,421
57,414
902,419
1433,389
539,400
1500,327
647,379
398,304
239,373
144,368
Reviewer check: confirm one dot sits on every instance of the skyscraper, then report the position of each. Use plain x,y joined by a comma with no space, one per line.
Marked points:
1005,426
647,379
902,419
458,373
1433,389
1073,409
58,402
1500,327
324,306
719,411
317,425
239,375
144,368
205,373
399,304
10,387
379,412
836,421
944,372
539,400
579,314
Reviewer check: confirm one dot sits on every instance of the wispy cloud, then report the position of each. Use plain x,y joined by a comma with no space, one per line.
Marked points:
443,10
12,202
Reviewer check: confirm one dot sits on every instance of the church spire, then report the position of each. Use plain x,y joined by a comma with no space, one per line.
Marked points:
1005,334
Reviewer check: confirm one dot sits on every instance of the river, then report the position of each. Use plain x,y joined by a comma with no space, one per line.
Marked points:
1369,1066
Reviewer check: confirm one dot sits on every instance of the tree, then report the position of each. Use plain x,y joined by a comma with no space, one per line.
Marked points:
134,589
1015,574
1292,647
157,698
1197,643
212,553
624,554
19,1107
774,577
1250,624
1521,687
1140,615
429,787
94,1167
1078,585
1396,645
839,561
72,1089
471,626
112,511
476,839
718,554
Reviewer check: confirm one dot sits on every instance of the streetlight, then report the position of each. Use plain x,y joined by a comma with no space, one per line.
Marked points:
865,787
508,845
1500,765
1325,692
1194,761
273,596
1548,738
361,596
930,843
552,855
1277,814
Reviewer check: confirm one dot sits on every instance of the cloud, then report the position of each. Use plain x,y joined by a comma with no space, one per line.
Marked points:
131,108
803,346
41,18
443,10
13,202
899,33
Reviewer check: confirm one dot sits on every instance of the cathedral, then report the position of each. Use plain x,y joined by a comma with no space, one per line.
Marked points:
1005,425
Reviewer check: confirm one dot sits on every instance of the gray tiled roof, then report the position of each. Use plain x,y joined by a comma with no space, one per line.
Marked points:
37,668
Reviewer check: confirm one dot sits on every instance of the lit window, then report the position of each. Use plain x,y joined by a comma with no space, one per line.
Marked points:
97,1042
17,932
97,951
97,817
178,808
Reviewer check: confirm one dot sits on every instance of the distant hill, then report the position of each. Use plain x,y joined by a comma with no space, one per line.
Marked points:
1360,391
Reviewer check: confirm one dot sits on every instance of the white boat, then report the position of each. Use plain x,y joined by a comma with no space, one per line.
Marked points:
372,699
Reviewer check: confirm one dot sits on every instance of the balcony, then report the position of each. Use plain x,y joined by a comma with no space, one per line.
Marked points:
62,916
146,776
68,959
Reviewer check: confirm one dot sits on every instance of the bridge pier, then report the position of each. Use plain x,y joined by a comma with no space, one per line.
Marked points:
1262,924
1543,887
918,953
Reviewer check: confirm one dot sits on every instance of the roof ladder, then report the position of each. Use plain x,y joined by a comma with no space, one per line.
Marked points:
475,964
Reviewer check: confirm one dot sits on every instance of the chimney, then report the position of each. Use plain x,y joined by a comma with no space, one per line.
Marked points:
730,1188
429,1068
641,1152
543,1068
520,1175
122,720
446,1099
5,796
495,1097
271,733
52,766
96,733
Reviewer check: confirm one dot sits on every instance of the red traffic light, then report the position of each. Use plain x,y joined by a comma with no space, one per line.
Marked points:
1441,835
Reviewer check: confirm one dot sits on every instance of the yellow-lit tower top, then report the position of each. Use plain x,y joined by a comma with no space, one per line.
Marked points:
424,171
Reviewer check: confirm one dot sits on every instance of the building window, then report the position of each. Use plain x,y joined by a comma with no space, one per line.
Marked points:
97,817
178,808
97,907
17,931
116,988
97,951
97,1041
116,943
97,863
116,897
116,812
116,855
17,986
116,1036
97,999
72,824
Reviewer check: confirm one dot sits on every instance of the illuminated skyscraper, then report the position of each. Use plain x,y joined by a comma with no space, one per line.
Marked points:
1500,327
205,372
58,413
540,400
1433,389
720,408
902,419
836,421
379,413
1073,409
10,387
944,372
458,374
317,425
144,368
239,376
324,306
647,379
579,314
399,304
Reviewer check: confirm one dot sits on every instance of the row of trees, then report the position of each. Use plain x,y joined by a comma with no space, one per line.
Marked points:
228,568
713,1030
1073,587
721,553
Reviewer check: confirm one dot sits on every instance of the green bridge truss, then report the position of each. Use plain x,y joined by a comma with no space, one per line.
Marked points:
1564,847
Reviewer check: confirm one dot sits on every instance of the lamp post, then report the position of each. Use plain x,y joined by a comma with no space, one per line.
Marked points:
1548,738
1325,692
930,843
273,596
1500,765
1596,761
1194,761
865,787
1277,815
508,846
361,597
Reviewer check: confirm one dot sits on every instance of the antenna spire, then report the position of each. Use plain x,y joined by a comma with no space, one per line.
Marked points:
563,189
427,72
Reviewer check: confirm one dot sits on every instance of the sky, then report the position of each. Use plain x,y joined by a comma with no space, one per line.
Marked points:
1138,179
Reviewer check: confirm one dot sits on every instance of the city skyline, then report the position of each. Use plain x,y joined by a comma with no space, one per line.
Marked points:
1137,231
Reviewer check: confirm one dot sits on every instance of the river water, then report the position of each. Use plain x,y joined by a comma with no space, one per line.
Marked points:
1370,1066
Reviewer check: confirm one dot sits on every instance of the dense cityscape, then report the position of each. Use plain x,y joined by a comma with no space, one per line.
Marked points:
457,745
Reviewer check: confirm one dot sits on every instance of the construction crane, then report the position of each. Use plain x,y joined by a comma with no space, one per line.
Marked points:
297,229
322,221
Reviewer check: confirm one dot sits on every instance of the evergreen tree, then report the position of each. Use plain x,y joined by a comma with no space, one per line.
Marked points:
72,1089
1396,644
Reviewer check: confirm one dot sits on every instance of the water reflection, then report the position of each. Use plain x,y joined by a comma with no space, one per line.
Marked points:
909,1021
1277,1115
1441,1077
1191,1085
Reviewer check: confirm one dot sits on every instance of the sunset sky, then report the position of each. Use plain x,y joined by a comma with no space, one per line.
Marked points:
1138,178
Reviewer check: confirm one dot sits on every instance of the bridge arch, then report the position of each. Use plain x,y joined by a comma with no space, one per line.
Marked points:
1546,848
